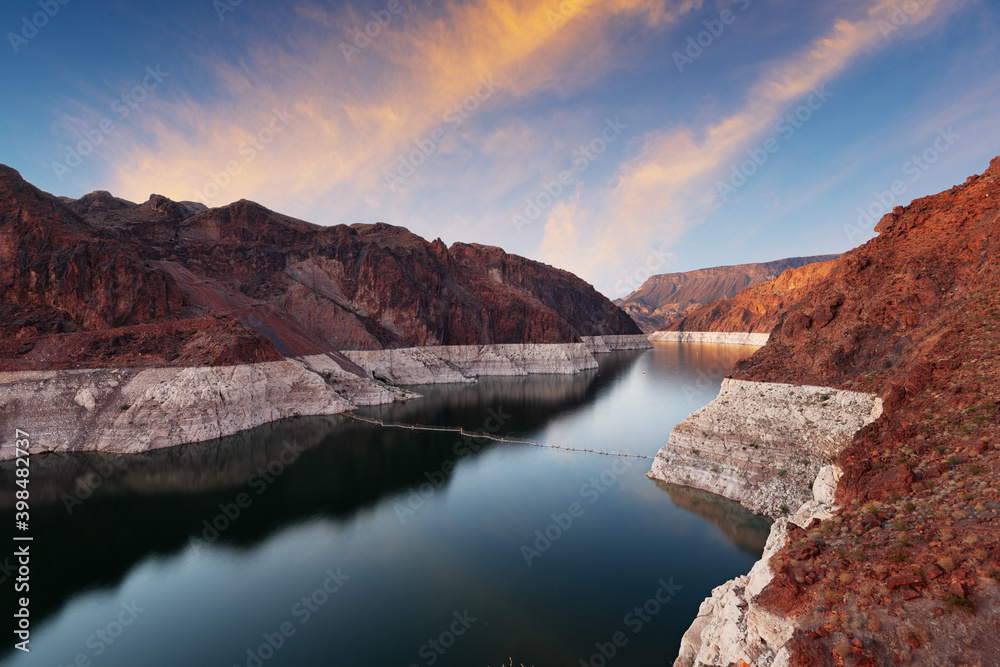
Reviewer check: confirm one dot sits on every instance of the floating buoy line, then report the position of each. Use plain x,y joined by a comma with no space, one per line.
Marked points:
487,436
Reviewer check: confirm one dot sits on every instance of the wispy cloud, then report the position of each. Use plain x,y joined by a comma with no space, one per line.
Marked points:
667,185
309,119
356,113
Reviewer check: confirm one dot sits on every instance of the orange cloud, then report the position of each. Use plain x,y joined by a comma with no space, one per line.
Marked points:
669,183
354,111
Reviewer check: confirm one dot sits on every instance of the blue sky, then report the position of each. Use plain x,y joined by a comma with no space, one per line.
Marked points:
458,119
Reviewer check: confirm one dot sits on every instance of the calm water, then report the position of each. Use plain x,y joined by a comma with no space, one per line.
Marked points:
367,546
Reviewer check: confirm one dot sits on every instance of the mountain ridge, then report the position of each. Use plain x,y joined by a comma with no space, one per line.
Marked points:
666,297
244,283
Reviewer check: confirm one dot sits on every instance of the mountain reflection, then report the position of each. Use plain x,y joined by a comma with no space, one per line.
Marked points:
747,531
101,514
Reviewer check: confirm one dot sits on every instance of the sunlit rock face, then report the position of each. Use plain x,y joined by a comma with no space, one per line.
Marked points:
665,298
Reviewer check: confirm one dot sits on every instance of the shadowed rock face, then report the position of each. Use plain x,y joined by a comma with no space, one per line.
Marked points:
49,256
99,279
669,296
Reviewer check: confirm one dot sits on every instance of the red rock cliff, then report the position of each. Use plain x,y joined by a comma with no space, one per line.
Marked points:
666,297
98,279
907,571
756,309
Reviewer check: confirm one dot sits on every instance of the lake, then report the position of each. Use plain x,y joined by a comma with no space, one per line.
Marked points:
331,541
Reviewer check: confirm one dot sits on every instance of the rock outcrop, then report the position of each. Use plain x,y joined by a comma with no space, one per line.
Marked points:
732,628
762,444
912,316
666,297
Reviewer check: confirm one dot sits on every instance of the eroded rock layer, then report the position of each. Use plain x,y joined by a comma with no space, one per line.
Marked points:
762,444
717,337
134,410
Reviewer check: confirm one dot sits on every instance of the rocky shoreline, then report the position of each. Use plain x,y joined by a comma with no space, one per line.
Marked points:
766,446
128,410
731,627
762,443
718,337
443,364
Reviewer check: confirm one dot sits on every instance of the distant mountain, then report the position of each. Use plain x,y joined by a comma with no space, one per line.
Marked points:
669,296
756,309
100,280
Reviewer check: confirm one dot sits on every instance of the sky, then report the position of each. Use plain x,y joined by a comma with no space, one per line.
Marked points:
615,139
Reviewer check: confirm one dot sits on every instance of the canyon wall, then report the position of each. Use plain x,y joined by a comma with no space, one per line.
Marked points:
126,327
756,309
901,571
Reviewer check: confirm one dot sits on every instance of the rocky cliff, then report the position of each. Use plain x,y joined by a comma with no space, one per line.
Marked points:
274,285
201,322
756,309
904,567
669,296
763,443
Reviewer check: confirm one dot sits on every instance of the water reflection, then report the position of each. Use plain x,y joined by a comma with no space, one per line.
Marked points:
747,531
123,508
99,518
